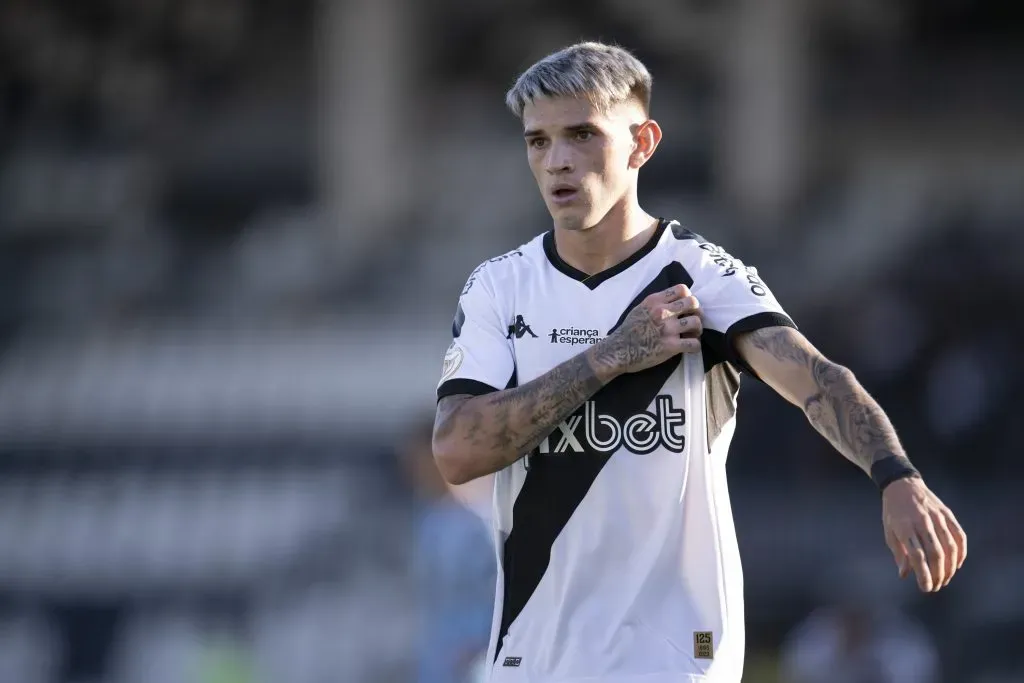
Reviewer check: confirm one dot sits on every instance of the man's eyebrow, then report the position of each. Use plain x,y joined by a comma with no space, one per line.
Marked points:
574,128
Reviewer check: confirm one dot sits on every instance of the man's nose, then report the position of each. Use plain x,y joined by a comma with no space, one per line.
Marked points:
559,159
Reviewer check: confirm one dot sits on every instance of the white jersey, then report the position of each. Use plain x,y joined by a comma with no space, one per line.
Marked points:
615,541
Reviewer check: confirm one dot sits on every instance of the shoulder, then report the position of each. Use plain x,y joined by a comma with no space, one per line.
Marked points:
700,255
682,235
683,241
501,270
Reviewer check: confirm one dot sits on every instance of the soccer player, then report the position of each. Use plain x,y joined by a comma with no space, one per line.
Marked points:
595,370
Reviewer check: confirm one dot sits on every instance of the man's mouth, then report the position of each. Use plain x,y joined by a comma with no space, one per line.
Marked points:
564,194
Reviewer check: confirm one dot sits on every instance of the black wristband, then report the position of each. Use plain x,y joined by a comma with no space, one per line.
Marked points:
890,469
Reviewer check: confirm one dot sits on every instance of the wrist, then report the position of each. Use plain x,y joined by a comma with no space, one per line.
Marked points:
891,469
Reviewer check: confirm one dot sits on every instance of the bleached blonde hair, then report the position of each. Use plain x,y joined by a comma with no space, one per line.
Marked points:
605,75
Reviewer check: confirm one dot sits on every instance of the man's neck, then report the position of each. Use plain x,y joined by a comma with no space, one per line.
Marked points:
608,243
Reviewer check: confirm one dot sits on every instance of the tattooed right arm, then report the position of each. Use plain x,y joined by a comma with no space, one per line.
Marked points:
477,435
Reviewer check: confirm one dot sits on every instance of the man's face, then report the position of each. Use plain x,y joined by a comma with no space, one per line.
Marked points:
584,160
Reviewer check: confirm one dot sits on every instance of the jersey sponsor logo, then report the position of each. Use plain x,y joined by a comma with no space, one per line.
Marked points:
452,361
512,661
476,271
731,266
642,433
519,329
573,336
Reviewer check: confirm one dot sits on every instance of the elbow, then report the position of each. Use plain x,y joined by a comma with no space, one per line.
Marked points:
453,466
458,460
836,375
830,380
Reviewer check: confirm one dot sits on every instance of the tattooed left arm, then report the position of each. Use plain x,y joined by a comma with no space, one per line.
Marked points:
922,533
835,403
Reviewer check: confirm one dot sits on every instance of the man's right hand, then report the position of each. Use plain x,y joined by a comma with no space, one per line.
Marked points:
663,325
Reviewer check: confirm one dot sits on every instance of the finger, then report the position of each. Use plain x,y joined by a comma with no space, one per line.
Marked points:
899,553
686,344
673,293
959,534
691,325
918,562
672,327
687,305
951,549
934,551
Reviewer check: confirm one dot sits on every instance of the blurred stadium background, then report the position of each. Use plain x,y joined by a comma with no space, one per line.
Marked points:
232,234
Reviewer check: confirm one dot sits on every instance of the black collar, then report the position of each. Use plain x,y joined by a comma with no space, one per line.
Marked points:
592,281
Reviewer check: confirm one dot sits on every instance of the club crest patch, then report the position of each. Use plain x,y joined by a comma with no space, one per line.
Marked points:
452,361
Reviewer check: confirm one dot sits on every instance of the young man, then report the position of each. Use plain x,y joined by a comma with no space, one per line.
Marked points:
595,370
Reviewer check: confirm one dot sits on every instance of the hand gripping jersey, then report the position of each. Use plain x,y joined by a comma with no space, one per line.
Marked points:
615,541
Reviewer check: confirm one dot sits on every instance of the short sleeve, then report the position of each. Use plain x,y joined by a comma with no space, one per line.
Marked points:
479,359
733,297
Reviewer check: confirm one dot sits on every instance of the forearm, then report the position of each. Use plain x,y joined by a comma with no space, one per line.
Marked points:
475,436
835,403
844,413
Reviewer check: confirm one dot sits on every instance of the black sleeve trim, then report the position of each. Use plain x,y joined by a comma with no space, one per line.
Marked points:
472,387
758,321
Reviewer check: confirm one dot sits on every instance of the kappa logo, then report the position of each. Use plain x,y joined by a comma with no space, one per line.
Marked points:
519,329
574,336
641,433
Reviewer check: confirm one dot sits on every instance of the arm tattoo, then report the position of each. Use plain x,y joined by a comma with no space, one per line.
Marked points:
511,423
638,338
498,429
841,410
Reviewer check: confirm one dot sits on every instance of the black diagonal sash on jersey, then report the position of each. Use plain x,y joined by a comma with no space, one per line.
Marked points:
555,486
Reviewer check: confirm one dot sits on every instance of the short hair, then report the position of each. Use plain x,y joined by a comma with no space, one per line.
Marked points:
605,75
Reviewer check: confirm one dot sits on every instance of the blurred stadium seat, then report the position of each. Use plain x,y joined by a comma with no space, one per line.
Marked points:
232,234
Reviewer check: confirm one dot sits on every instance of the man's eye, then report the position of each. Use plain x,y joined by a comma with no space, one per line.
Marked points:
584,135
537,143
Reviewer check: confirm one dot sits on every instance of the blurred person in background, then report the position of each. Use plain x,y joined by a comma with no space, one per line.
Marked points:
858,638
618,554
454,568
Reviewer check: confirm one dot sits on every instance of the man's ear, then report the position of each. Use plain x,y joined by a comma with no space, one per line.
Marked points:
646,137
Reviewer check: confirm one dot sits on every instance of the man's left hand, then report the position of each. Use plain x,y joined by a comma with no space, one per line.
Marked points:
922,533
